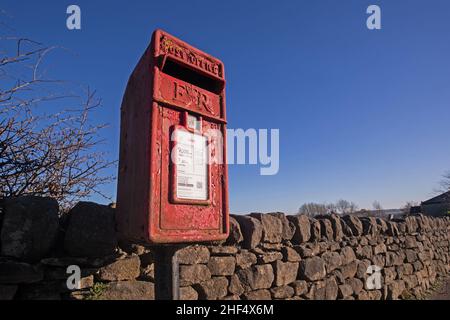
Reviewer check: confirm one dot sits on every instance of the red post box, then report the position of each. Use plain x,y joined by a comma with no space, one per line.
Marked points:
172,185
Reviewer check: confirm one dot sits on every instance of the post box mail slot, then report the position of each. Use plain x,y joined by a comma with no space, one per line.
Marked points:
172,182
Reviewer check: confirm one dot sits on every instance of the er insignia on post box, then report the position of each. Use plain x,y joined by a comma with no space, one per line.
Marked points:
171,186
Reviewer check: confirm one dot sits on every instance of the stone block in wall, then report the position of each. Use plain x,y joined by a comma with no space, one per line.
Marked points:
245,259
123,269
128,290
258,277
213,289
410,242
193,255
29,228
282,292
300,287
222,266
252,230
411,255
192,274
268,256
312,269
235,237
326,230
302,228
381,248
258,295
91,230
349,270
392,229
232,297
374,295
362,295
235,287
370,226
285,272
288,227
188,293
395,289
357,285
382,225
347,255
315,230
307,250
364,252
361,271
344,291
7,292
379,260
289,254
272,227
12,272
332,260
354,224
331,289
223,250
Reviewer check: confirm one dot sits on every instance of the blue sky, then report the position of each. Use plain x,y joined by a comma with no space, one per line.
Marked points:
363,115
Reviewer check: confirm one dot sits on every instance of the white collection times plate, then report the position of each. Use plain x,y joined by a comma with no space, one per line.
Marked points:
192,166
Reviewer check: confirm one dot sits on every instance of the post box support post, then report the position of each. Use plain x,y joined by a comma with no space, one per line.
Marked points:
167,284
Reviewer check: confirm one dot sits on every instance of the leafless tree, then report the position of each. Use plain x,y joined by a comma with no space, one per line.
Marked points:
345,207
312,209
406,209
45,153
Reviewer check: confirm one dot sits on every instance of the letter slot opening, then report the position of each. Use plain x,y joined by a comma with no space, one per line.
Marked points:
186,74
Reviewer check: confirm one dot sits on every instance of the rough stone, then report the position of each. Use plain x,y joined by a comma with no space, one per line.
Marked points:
345,291
300,287
312,269
259,277
123,269
289,254
128,290
235,287
213,289
188,293
235,236
193,255
252,230
283,292
222,266
268,257
349,270
30,227
192,274
91,230
332,260
354,224
223,250
285,272
347,255
272,226
302,228
288,227
258,295
245,259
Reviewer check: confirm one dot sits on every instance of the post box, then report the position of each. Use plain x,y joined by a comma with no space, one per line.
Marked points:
172,181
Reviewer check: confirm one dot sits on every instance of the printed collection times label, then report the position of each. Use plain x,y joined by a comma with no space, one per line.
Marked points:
192,165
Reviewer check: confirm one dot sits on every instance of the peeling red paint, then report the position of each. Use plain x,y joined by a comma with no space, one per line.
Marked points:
171,79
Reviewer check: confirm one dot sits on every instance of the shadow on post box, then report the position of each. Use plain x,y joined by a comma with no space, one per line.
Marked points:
172,181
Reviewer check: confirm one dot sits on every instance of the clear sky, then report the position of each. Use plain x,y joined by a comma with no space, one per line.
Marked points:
363,115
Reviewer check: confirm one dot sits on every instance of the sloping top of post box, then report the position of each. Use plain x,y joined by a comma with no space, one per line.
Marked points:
169,46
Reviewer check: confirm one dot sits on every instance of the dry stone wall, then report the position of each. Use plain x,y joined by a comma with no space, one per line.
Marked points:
266,256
